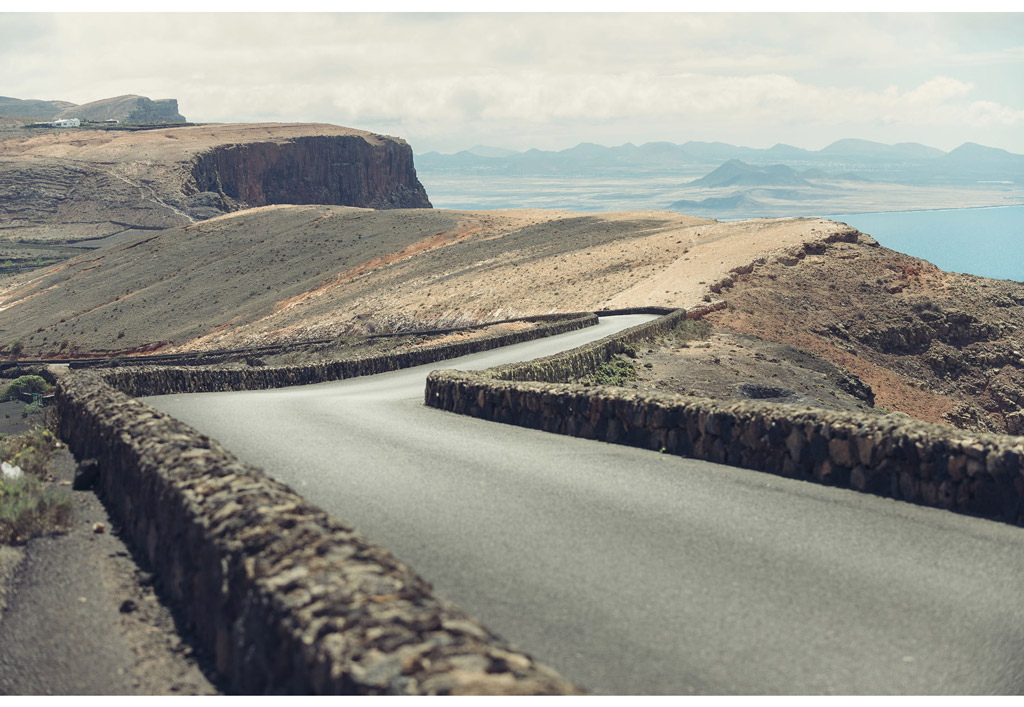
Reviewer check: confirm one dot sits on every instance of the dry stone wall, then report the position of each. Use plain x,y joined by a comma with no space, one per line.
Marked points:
285,598
585,359
886,455
152,380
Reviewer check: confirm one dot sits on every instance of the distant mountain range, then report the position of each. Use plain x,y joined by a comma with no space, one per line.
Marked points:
851,159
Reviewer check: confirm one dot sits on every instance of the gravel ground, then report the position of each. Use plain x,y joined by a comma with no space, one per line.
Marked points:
732,367
79,617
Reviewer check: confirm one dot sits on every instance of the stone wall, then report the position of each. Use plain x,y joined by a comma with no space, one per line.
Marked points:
887,455
585,359
284,597
140,381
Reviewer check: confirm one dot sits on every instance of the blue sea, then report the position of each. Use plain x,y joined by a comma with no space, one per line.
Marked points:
985,241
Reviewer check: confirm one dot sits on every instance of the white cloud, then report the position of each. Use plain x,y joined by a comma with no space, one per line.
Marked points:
445,79
937,90
985,113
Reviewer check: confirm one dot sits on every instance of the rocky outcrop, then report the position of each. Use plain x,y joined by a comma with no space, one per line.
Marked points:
127,109
941,347
336,169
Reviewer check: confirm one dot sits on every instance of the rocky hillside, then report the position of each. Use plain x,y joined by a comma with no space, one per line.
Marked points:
79,184
941,347
127,109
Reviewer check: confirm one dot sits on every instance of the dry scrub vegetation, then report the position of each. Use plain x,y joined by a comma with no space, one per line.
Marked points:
31,505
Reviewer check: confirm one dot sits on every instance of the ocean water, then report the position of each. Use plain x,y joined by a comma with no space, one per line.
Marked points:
984,241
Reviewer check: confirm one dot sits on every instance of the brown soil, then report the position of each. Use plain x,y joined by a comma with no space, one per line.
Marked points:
79,617
300,272
735,367
938,346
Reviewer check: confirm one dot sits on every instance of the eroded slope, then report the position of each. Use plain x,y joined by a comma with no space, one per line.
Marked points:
941,347
310,271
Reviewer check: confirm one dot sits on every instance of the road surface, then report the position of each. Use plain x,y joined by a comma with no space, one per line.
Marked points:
633,572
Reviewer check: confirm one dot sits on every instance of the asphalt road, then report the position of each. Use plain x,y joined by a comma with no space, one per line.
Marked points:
633,572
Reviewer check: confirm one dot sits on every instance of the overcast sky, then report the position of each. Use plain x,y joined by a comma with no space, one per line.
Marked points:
450,81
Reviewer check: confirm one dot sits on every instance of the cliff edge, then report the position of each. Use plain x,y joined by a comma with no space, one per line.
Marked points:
87,184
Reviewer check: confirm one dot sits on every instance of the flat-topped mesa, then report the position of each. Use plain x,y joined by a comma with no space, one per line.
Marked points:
342,170
127,109
79,184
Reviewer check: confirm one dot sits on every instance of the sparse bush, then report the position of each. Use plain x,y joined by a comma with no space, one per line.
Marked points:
616,371
31,450
29,509
690,330
16,348
28,505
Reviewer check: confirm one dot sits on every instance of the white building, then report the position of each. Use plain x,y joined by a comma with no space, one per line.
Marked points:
67,123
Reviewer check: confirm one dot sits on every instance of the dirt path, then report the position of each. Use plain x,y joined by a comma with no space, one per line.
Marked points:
79,617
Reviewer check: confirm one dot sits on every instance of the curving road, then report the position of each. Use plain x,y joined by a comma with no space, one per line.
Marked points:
633,572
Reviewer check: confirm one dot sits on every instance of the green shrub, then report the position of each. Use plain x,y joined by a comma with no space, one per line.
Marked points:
31,384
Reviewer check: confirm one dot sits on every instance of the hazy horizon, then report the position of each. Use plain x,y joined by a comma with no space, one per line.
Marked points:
450,81
683,142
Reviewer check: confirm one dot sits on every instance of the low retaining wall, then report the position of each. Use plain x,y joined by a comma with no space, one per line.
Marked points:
161,380
206,358
904,459
284,597
585,359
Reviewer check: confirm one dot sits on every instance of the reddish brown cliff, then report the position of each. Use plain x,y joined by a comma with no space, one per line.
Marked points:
323,169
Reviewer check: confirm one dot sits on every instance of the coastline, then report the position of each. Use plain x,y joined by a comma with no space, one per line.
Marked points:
833,217
969,240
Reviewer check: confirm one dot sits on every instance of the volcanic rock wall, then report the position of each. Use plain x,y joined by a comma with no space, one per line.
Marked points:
976,474
285,598
162,380
334,169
